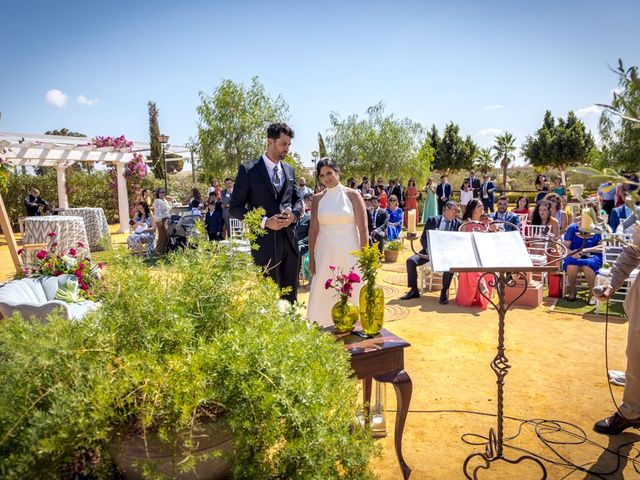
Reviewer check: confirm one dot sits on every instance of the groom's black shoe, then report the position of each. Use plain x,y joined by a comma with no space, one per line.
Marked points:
410,294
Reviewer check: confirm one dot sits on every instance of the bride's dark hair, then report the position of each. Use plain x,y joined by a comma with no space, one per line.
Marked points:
327,162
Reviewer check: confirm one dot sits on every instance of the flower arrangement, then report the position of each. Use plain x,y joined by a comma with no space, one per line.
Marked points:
54,262
113,142
393,245
342,283
369,258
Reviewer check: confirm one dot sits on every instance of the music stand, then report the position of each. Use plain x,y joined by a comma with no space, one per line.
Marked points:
501,278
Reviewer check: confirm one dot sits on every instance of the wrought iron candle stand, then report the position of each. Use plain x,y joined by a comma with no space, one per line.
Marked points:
500,279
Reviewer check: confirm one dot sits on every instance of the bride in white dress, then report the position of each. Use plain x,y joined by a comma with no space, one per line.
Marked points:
338,227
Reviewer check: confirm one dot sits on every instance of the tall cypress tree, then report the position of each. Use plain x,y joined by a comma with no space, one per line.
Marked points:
155,155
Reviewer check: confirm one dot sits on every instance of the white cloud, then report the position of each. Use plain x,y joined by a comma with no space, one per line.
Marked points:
492,107
56,98
89,102
585,111
489,132
615,90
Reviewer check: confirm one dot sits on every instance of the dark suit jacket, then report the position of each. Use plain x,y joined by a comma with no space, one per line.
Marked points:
447,191
382,219
508,217
617,215
302,228
432,224
253,189
475,185
397,191
491,187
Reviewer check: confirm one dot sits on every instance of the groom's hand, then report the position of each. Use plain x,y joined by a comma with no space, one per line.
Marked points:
274,223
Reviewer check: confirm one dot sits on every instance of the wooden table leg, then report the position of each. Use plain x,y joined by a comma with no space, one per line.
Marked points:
403,387
366,394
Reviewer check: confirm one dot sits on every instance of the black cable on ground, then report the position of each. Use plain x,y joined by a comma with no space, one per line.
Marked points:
544,427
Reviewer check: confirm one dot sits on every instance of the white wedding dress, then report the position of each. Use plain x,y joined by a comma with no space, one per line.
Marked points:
337,238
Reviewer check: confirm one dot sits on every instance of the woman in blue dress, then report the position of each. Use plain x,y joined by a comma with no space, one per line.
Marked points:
589,262
394,227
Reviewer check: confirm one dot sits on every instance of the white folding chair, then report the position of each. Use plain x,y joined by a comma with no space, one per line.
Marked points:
236,229
523,219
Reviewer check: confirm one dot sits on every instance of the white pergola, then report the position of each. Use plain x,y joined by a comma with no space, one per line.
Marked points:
34,150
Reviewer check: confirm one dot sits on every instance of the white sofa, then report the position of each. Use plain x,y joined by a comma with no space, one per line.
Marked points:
35,298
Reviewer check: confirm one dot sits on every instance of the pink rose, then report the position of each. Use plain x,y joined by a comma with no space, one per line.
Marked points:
72,251
354,277
332,267
51,234
21,251
41,254
81,266
327,284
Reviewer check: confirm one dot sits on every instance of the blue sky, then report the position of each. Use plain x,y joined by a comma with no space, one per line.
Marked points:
489,66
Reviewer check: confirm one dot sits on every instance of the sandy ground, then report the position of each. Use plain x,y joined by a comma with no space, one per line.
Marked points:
558,373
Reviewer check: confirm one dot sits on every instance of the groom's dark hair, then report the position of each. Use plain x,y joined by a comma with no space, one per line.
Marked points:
276,129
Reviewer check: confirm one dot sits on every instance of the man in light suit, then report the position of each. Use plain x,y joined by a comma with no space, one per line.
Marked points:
378,220
270,183
503,215
446,221
443,192
486,193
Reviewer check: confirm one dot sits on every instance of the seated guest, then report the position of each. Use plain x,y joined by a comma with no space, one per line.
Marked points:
542,216
557,212
589,260
394,226
194,207
142,229
446,221
379,218
195,195
522,206
505,216
33,203
213,221
470,287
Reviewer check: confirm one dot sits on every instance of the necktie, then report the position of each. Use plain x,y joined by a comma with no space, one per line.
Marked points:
276,179
375,215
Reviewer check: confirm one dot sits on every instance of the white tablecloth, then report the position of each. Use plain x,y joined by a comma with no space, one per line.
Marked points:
95,223
69,231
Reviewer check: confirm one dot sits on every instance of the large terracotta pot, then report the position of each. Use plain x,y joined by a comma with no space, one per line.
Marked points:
131,451
391,256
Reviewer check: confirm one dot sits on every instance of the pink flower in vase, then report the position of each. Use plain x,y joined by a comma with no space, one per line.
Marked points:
353,277
41,255
327,284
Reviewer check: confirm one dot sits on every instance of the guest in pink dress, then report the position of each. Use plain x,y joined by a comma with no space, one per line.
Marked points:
468,294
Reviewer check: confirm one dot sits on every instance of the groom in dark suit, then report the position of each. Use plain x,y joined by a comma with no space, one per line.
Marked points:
270,183
446,221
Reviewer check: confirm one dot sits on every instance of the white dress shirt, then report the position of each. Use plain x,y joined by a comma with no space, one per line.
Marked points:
271,168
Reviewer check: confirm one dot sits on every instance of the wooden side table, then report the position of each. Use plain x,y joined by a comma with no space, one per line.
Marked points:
382,358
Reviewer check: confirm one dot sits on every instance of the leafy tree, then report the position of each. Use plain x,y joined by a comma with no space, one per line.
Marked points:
620,122
559,144
483,161
376,145
322,148
64,132
155,154
232,125
503,149
78,166
453,152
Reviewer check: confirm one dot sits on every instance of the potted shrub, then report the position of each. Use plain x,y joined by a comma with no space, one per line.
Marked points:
391,250
196,340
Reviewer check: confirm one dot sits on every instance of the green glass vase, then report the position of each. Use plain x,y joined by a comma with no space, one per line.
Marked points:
344,315
371,308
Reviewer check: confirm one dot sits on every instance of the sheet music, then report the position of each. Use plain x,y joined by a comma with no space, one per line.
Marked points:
502,249
451,249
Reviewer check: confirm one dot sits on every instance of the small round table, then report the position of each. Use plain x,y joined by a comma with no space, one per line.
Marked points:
95,223
68,231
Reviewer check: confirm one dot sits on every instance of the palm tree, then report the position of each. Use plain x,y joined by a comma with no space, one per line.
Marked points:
484,162
504,146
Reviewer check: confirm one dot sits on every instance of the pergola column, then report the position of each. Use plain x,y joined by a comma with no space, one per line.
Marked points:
61,176
123,198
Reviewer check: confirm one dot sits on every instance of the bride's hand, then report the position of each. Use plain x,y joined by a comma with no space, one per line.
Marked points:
312,266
